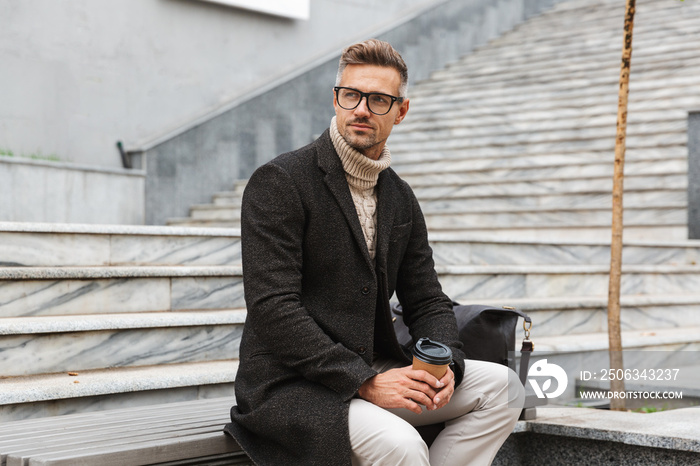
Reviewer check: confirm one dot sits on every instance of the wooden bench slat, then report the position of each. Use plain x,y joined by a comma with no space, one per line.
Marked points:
141,453
127,423
122,413
77,449
75,441
184,425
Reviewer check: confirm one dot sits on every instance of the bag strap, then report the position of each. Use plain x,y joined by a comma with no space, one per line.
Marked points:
525,352
527,347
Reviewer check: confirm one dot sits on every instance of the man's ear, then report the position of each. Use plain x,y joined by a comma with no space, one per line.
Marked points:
403,110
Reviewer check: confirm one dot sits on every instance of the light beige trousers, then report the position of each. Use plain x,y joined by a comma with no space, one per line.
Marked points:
478,419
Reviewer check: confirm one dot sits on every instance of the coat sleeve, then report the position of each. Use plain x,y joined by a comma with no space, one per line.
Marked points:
427,310
272,234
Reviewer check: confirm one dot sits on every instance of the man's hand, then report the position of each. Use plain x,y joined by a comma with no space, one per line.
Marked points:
408,388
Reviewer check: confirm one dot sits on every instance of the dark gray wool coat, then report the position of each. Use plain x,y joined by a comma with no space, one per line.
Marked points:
312,293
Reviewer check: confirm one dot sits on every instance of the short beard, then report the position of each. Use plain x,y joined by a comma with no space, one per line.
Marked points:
359,143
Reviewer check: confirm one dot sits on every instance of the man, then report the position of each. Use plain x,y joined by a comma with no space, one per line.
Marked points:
329,233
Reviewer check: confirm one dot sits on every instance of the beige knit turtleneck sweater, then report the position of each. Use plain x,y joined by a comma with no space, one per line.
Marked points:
362,174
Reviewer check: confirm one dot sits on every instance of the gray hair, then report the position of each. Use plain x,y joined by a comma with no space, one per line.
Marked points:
374,52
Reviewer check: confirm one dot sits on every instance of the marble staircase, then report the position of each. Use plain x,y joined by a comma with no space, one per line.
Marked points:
510,152
97,317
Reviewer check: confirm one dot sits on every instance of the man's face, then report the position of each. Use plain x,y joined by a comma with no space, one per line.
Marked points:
362,129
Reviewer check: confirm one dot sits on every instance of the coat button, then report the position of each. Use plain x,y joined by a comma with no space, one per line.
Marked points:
365,290
361,350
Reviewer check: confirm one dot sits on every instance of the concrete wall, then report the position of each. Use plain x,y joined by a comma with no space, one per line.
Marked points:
78,75
37,191
189,165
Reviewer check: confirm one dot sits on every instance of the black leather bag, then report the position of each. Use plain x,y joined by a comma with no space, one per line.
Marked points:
487,333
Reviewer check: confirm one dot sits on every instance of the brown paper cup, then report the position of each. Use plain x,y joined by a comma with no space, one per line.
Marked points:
436,371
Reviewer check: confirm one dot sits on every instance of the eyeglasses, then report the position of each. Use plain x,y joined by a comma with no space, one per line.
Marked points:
377,103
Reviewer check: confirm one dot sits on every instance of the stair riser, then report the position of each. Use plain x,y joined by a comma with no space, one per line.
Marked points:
465,288
72,297
484,159
649,357
536,147
590,104
556,34
539,95
554,218
548,187
650,59
565,201
215,213
176,250
588,233
233,200
55,249
591,75
583,68
491,253
446,174
63,352
578,321
210,223
581,126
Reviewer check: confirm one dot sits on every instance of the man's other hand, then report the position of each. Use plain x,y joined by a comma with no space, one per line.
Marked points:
407,388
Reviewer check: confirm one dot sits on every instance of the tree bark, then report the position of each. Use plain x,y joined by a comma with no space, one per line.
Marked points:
617,403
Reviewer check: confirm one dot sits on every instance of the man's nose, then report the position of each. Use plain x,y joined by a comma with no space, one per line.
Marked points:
362,108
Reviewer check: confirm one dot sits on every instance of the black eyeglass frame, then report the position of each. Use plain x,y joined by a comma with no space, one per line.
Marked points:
366,95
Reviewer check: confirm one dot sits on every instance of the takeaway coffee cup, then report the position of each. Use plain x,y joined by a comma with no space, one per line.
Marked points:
431,356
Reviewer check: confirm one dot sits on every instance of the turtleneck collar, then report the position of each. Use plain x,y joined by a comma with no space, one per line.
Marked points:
360,171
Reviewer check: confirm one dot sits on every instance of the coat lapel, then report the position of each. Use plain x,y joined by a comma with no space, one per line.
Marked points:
330,164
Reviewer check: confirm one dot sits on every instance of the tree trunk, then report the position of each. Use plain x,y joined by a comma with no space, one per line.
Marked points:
617,403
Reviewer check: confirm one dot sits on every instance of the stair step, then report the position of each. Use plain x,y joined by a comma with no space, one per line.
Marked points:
651,55
430,125
552,27
539,95
580,233
229,198
658,129
499,125
449,176
555,217
488,157
471,283
594,105
52,394
58,245
70,343
593,200
204,223
215,212
593,76
34,291
560,316
640,183
538,145
464,249
671,348
666,339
